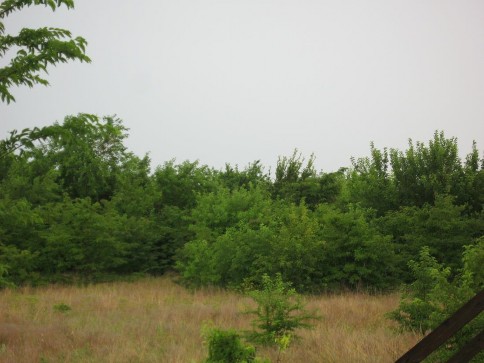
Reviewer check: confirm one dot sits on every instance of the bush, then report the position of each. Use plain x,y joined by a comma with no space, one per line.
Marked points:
3,280
225,346
434,297
286,242
416,305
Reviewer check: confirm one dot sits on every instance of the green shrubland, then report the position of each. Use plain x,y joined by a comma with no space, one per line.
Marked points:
75,204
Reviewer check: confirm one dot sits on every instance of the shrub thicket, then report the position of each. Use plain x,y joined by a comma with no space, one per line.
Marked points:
435,295
76,204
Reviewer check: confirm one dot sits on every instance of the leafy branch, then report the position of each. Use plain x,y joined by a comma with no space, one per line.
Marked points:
38,48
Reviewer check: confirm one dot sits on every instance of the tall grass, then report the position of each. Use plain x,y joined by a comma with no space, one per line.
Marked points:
155,320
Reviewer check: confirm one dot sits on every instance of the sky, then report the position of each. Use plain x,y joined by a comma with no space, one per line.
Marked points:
237,81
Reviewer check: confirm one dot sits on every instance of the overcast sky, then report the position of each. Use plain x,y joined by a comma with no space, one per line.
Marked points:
240,80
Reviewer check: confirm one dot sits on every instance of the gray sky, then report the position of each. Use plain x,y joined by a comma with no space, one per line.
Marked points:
240,80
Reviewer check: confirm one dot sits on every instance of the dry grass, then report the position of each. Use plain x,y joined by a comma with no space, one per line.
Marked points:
155,320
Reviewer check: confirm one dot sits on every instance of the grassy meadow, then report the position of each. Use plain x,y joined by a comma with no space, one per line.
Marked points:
156,320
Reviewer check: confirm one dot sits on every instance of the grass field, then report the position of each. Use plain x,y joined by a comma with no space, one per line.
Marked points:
156,320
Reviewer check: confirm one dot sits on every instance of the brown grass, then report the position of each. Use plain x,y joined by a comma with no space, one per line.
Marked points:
155,320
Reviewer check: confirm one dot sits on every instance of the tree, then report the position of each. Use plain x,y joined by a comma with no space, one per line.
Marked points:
442,227
424,171
88,153
296,182
279,312
370,182
357,255
83,155
233,178
36,48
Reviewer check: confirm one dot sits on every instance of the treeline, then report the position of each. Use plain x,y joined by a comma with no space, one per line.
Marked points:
75,204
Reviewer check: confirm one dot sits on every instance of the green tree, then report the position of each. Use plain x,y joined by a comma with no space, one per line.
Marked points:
19,230
179,186
219,210
252,175
414,177
295,249
296,182
471,190
243,235
83,155
442,227
279,313
227,225
424,171
81,237
357,254
370,182
36,49
88,153
77,171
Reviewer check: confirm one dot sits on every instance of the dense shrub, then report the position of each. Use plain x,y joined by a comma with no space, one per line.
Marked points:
225,346
287,243
434,296
327,248
74,201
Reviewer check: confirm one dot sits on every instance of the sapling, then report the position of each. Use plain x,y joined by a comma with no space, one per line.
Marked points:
279,312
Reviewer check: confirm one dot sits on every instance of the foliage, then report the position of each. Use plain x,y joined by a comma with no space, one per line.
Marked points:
314,251
279,313
282,345
225,346
180,184
83,155
233,178
415,177
3,280
473,259
434,296
370,182
210,258
268,237
217,211
75,202
424,171
87,152
36,49
443,227
357,255
296,182
296,249
82,238
18,229
416,307
20,266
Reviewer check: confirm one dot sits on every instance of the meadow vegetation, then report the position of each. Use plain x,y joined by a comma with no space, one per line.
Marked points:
156,320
